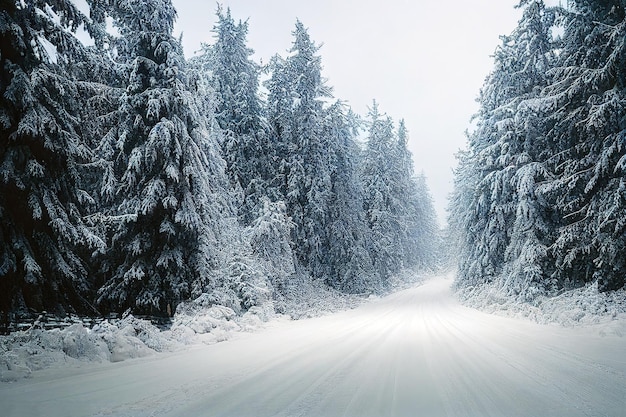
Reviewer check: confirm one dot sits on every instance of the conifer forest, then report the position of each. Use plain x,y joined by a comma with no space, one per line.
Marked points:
540,199
220,234
132,178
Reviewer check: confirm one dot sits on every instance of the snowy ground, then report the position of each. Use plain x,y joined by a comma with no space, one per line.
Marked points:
51,342
415,353
581,306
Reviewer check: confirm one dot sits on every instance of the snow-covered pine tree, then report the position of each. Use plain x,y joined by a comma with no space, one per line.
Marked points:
279,114
308,190
529,263
270,239
380,203
234,79
102,81
43,239
171,189
419,232
564,148
587,126
296,113
348,254
503,218
316,162
465,220
429,237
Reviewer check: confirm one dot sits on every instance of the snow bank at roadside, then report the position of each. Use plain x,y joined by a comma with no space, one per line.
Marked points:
582,306
313,299
408,278
195,322
27,351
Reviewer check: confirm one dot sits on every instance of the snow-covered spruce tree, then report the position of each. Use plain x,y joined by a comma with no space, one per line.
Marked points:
529,263
464,217
103,81
587,126
297,91
380,202
234,80
170,185
279,114
431,252
315,158
419,229
308,181
348,254
463,220
43,240
502,217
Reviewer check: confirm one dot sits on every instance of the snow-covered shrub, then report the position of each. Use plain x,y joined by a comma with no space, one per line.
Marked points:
251,285
122,342
585,305
203,316
146,332
30,350
80,343
270,239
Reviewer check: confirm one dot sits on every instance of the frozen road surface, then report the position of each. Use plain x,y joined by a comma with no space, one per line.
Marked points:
415,353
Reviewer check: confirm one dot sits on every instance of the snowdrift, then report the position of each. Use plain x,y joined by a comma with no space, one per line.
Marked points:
27,351
196,322
581,306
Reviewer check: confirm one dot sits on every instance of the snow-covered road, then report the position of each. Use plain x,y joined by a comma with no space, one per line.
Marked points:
415,353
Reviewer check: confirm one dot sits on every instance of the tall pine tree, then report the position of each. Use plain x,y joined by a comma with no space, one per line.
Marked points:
587,126
233,78
419,230
348,253
297,91
547,159
170,186
43,240
380,201
504,220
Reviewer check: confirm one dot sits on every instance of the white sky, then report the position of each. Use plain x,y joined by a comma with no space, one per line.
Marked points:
423,61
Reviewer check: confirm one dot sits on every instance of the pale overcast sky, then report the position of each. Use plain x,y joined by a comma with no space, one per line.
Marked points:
422,61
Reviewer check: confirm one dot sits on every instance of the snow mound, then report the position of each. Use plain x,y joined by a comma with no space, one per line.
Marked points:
306,299
79,342
34,349
581,306
24,352
199,321
27,351
130,338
